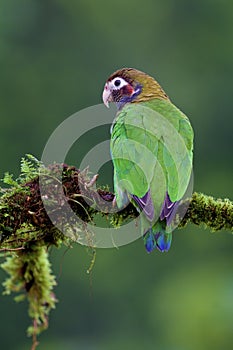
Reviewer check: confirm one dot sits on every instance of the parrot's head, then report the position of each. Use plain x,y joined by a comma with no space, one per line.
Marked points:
131,85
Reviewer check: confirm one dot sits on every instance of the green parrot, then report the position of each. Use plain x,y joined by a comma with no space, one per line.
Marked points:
152,150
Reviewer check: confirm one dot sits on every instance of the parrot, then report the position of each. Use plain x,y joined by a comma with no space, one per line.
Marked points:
151,147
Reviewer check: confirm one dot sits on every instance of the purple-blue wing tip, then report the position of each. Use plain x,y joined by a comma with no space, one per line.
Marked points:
145,203
169,209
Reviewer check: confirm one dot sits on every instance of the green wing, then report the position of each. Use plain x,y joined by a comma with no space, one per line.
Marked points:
151,147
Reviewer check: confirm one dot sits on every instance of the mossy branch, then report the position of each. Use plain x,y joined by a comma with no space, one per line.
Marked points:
27,233
216,214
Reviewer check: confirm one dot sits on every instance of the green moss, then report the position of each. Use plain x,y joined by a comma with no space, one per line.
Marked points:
216,214
30,275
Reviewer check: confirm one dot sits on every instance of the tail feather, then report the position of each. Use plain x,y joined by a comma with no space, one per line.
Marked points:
157,237
149,241
163,241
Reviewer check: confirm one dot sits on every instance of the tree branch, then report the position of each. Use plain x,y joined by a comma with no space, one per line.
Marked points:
22,205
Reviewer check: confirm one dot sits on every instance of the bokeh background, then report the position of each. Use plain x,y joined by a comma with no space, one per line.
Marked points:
55,56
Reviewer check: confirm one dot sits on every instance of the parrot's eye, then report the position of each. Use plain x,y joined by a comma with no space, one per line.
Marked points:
118,83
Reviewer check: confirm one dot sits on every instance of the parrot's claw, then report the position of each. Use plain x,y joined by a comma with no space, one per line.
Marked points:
91,182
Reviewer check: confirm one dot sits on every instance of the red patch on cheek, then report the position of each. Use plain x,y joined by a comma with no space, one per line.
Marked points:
128,90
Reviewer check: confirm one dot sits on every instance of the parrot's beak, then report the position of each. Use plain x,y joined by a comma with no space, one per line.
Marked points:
107,97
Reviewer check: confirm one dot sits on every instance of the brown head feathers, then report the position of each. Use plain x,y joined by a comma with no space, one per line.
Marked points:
150,87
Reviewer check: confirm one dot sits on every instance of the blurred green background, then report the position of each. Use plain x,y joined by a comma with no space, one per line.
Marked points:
55,57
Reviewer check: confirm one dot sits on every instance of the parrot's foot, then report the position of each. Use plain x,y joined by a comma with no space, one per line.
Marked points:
114,203
91,182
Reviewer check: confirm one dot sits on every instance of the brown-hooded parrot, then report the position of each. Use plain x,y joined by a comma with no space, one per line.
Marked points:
152,150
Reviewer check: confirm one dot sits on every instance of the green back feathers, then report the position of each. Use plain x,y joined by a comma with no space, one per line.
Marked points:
151,147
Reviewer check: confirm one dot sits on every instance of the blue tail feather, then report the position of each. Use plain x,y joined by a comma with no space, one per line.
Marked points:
163,241
149,241
157,237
